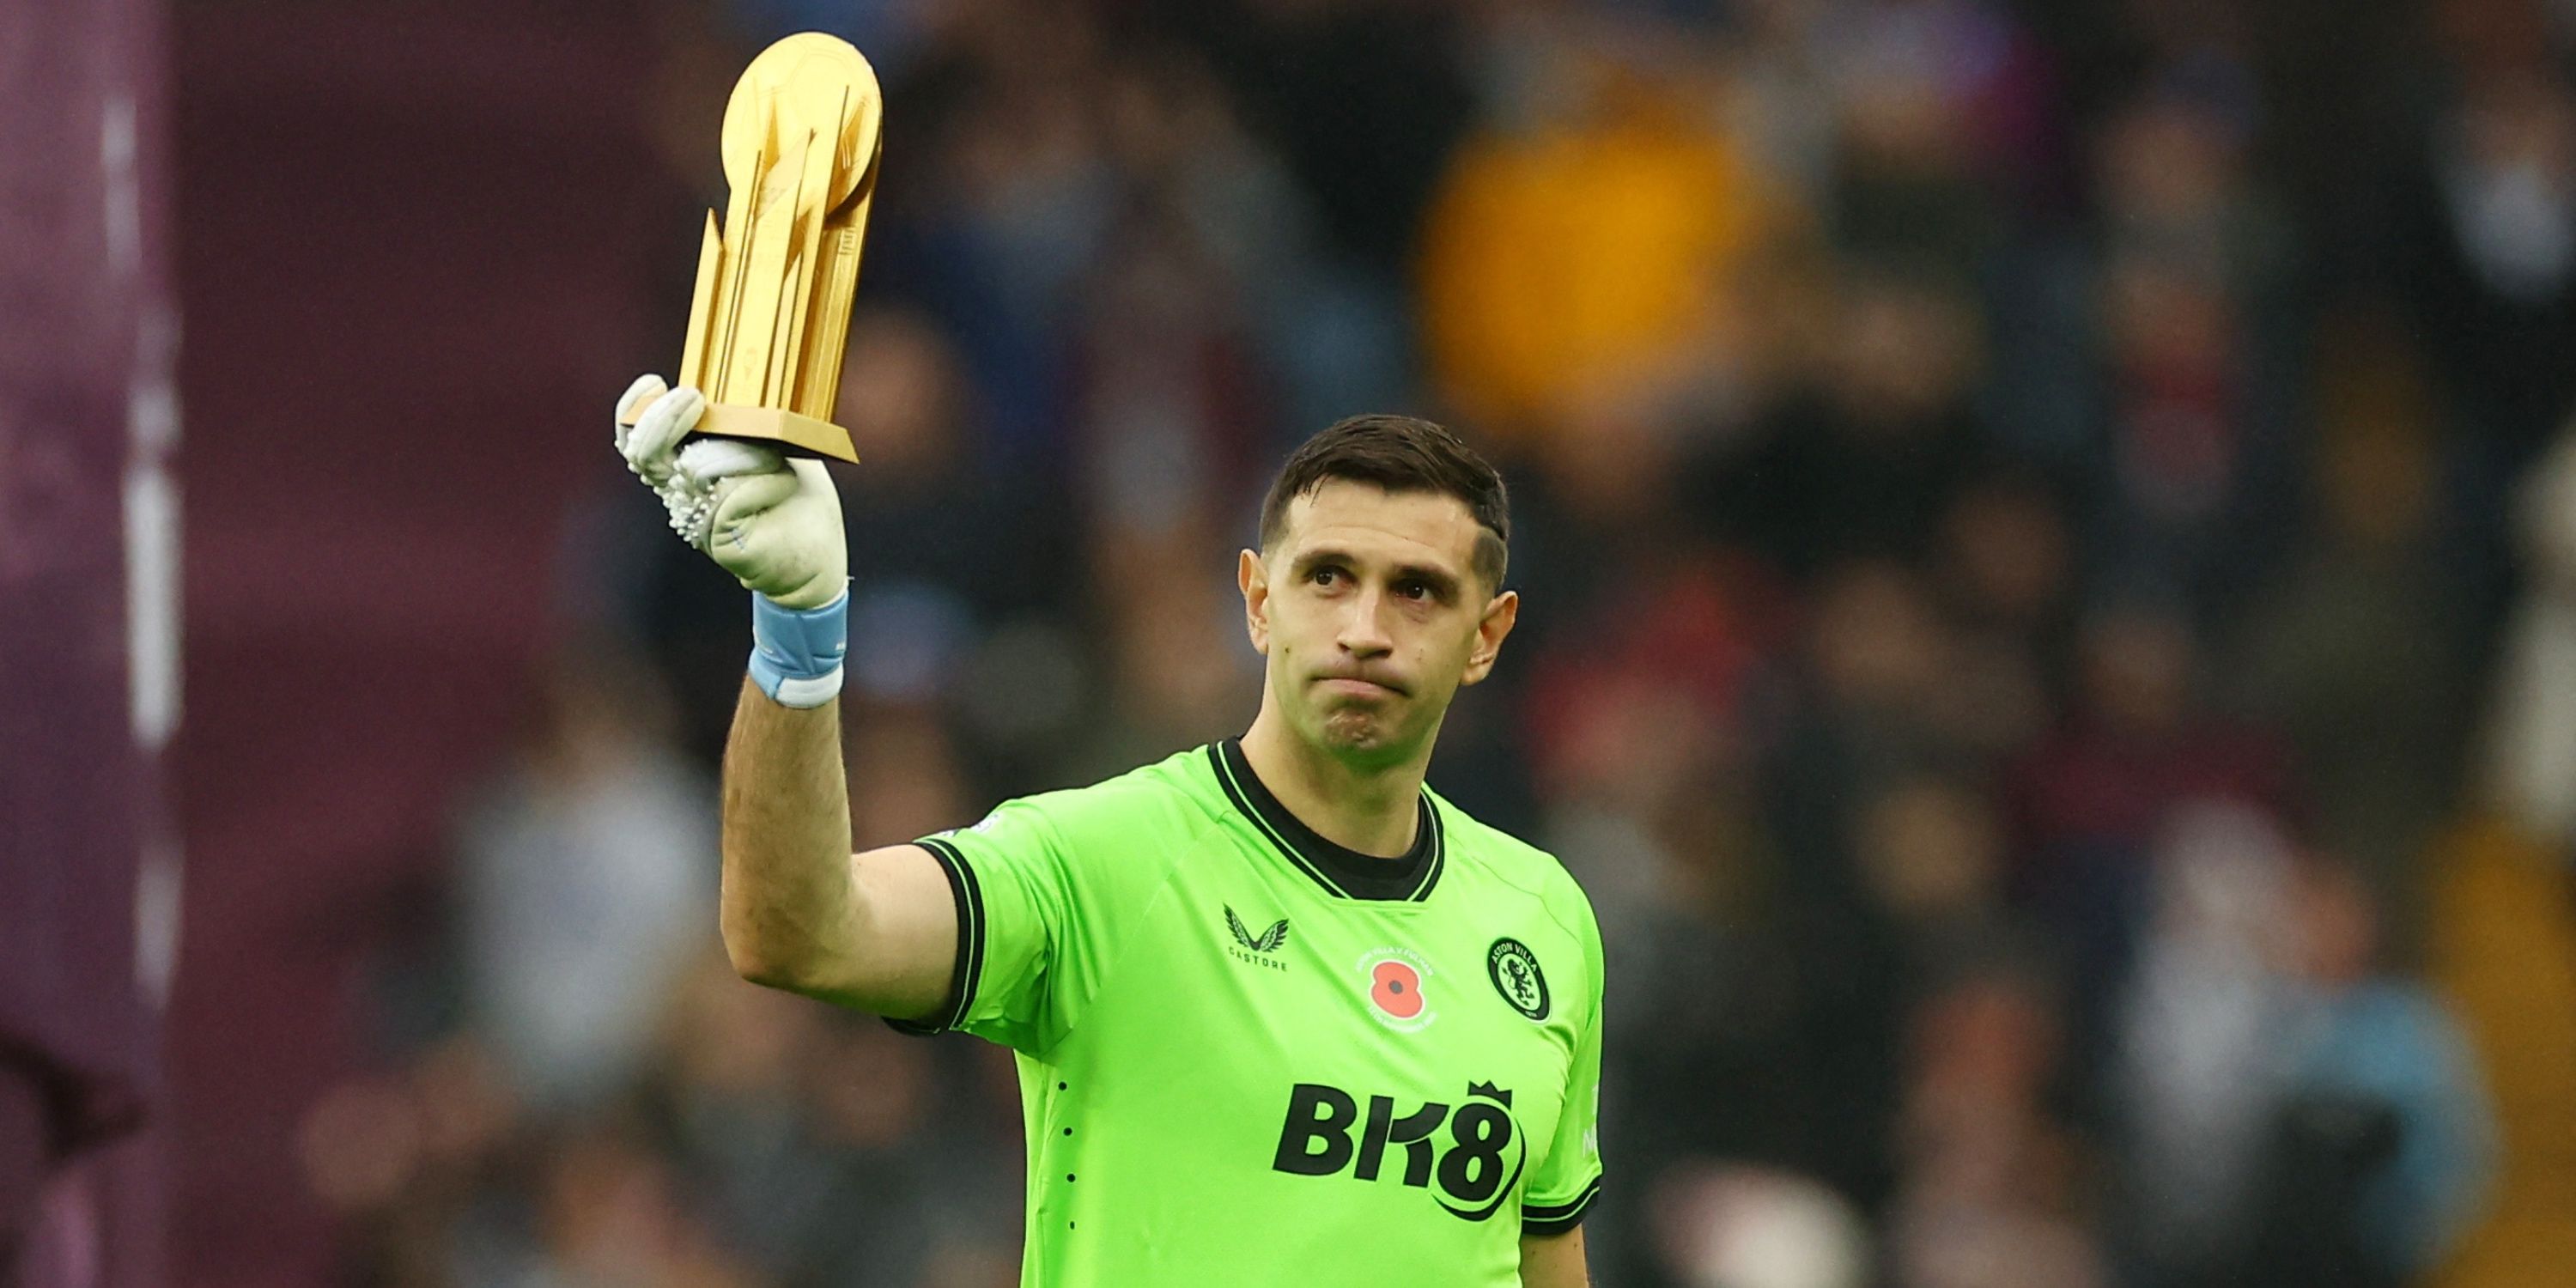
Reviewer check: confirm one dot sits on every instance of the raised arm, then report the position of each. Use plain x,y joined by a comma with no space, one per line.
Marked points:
876,931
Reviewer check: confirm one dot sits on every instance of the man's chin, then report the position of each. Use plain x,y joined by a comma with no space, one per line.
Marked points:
1357,733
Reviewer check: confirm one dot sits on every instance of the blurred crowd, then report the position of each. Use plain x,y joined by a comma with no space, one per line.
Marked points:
2040,525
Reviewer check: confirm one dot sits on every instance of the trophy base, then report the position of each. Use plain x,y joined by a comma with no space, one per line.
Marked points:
791,432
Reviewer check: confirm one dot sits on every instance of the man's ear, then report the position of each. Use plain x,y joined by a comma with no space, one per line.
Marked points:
1253,580
1500,615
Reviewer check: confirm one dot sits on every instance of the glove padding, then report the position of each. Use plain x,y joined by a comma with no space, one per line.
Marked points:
771,521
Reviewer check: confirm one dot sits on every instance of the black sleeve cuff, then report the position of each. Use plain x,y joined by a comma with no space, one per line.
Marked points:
1558,1218
970,944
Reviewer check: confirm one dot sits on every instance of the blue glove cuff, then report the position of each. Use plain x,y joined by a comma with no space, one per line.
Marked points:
796,656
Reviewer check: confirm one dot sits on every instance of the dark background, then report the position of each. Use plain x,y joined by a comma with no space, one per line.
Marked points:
2048,590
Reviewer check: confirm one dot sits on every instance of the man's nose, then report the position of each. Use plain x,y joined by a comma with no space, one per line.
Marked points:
1364,627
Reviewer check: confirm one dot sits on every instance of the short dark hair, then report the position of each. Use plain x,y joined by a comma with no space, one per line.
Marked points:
1399,454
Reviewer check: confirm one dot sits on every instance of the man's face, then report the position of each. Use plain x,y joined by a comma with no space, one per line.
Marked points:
1371,614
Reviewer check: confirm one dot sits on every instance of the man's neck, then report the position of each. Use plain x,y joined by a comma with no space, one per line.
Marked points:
1370,810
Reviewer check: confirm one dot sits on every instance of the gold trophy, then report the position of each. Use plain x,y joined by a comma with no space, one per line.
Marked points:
771,311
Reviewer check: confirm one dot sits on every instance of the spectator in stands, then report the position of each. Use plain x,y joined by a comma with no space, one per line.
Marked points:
2382,1145
583,885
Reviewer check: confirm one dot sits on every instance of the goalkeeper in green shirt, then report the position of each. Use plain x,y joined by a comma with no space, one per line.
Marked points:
1282,1014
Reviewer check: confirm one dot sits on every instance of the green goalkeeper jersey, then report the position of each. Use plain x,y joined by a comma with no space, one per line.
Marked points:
1249,1056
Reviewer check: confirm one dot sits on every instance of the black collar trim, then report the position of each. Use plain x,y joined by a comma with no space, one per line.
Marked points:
1340,870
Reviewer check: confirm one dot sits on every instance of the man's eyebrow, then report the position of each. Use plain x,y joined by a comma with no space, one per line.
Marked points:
1317,558
1442,582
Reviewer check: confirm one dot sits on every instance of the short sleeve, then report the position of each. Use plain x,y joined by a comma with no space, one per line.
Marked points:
1042,886
1569,1178
1007,874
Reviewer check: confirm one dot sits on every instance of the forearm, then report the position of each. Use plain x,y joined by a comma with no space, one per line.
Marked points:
1554,1261
790,903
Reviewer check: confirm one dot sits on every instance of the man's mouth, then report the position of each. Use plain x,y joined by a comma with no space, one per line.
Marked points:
1360,687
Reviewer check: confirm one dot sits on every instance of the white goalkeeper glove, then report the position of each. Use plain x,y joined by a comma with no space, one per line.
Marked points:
774,523
771,521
